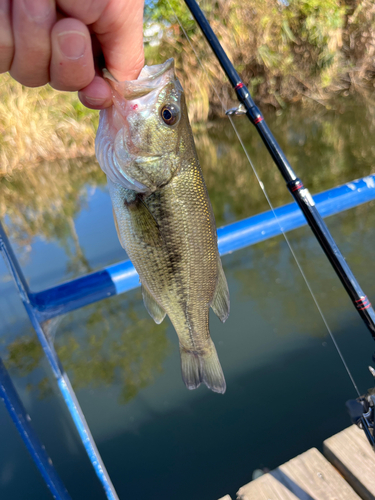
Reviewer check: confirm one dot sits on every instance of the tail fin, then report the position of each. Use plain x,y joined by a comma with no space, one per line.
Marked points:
202,368
190,368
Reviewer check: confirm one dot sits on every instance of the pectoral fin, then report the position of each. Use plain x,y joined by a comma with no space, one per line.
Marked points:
221,303
117,230
144,224
153,308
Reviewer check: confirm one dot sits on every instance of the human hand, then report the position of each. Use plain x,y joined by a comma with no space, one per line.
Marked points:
59,42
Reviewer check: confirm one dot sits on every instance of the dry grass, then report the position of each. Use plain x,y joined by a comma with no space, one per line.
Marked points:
311,51
306,50
359,45
42,124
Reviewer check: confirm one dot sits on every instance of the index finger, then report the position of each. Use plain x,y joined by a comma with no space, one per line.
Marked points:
118,25
120,33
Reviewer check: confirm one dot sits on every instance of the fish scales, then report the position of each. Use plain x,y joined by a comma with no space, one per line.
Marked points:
164,216
173,272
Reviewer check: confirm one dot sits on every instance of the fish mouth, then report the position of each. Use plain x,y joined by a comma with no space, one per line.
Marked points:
149,79
150,73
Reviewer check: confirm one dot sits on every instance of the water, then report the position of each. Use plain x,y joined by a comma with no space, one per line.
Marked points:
286,384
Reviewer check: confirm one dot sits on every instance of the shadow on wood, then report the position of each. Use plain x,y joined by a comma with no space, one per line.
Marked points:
350,452
307,477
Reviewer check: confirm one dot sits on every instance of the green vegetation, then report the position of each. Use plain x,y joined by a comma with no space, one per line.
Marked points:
309,50
305,50
124,346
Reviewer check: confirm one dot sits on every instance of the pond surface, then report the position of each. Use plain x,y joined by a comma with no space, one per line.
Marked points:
286,386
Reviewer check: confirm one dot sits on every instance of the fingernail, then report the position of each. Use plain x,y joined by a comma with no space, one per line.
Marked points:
72,44
38,10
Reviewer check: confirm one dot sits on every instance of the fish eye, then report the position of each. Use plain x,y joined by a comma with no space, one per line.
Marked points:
170,114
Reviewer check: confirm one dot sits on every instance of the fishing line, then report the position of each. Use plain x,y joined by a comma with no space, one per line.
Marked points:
269,203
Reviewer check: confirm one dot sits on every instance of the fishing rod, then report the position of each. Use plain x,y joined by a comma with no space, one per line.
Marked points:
294,184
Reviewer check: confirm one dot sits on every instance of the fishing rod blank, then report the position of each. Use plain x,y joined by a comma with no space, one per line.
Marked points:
294,184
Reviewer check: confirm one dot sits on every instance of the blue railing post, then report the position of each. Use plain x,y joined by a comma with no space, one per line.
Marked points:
22,422
60,375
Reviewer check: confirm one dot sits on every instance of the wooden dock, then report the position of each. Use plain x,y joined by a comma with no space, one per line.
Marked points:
347,473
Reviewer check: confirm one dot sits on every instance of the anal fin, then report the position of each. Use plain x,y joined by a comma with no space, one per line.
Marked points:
156,312
221,302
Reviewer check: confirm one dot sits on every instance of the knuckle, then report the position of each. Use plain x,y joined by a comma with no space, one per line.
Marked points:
69,82
30,65
72,75
27,81
6,57
87,12
30,75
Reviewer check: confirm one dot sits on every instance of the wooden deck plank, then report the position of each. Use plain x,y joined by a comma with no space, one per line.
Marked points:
350,452
307,477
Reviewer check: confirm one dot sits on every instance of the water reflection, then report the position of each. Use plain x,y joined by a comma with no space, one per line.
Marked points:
327,148
273,348
44,201
110,342
271,271
116,342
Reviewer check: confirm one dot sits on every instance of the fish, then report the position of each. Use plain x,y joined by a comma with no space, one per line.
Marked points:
163,215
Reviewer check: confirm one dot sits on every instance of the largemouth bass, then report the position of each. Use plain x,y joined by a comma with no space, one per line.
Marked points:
163,215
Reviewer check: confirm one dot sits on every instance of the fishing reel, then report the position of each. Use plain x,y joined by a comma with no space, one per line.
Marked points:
362,411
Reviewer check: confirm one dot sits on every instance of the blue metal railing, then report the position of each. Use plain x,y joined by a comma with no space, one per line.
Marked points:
61,377
122,277
22,422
